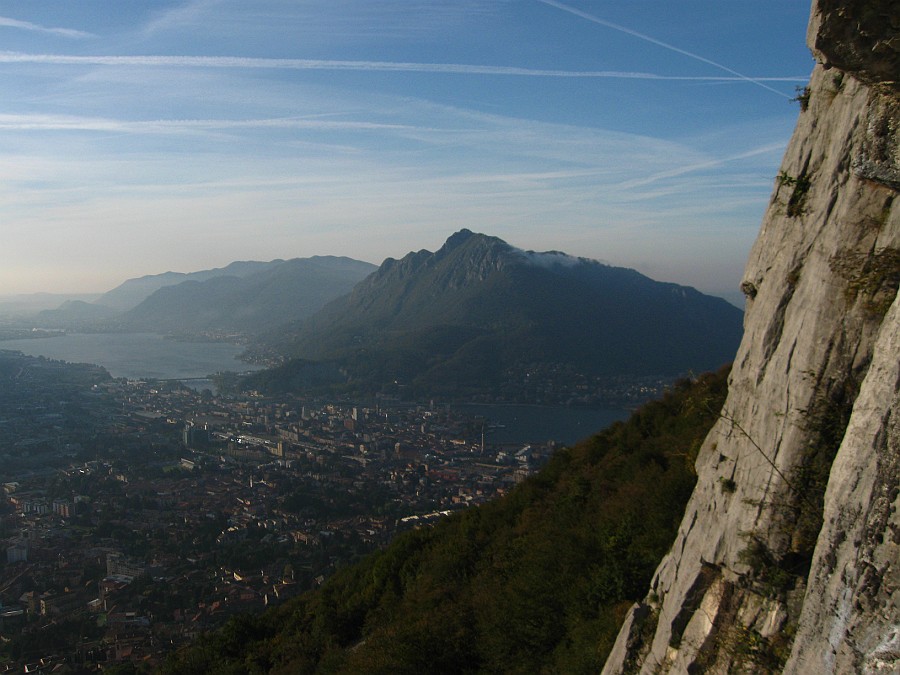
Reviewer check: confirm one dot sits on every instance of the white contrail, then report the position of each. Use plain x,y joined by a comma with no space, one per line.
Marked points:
700,166
322,64
71,123
27,25
622,29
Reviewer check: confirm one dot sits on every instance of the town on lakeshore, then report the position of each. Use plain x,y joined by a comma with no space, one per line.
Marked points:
139,514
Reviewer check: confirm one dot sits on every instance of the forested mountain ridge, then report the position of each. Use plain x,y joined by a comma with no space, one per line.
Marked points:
535,581
479,313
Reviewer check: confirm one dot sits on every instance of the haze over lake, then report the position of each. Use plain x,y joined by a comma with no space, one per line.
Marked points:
137,355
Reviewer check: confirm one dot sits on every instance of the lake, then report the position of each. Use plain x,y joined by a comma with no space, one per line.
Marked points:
137,355
151,356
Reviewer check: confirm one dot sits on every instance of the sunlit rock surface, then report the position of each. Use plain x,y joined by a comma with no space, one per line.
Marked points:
808,437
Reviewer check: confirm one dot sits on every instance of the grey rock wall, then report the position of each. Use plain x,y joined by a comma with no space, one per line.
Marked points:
850,621
808,435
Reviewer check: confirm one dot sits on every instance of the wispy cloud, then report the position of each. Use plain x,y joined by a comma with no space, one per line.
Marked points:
27,25
73,123
383,66
410,119
347,21
646,38
188,14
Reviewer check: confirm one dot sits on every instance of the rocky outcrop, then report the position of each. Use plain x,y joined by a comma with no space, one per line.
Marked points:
788,557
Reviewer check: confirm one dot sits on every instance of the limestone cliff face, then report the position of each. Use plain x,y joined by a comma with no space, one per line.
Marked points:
788,557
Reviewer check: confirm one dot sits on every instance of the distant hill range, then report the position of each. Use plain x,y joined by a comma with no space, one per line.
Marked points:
75,313
245,297
273,295
27,304
133,292
479,313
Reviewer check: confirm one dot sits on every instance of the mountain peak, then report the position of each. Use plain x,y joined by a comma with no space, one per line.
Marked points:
478,311
466,237
458,239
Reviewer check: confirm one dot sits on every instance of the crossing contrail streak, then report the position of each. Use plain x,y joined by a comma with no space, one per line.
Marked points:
665,45
7,22
321,64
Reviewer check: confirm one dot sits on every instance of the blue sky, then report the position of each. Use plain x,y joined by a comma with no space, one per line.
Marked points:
184,135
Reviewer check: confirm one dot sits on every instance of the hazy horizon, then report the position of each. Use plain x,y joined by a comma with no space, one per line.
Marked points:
52,298
191,134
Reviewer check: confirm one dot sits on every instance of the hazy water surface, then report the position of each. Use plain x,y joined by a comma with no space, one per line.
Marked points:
137,355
